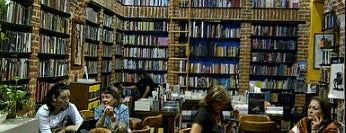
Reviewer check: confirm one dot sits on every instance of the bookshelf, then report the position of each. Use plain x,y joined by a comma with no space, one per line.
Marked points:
273,65
15,43
214,54
145,45
108,41
53,54
93,39
119,35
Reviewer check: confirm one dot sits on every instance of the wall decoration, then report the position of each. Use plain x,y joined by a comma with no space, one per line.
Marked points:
77,44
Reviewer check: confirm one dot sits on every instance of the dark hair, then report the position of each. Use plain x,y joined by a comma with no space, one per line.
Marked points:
54,91
114,92
326,109
140,71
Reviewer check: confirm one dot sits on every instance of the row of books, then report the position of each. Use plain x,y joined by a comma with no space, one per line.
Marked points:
90,49
118,49
275,14
210,13
91,15
54,22
145,12
155,65
271,44
53,68
132,78
145,40
275,3
274,30
118,64
145,26
214,30
16,42
91,66
52,45
214,68
42,90
145,52
280,70
325,75
273,57
117,77
107,36
106,66
107,50
329,21
62,5
266,83
206,82
17,14
213,50
92,33
145,2
108,20
326,56
216,3
11,68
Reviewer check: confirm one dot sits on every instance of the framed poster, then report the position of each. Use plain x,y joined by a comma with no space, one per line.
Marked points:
337,76
77,44
321,40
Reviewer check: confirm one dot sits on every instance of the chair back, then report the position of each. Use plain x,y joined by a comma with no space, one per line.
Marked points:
185,130
254,117
153,121
87,114
135,123
257,127
146,129
100,130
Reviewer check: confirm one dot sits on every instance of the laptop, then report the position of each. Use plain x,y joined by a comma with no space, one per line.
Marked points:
86,126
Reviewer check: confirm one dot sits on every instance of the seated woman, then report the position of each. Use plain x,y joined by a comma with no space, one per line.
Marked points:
112,114
208,118
318,119
57,112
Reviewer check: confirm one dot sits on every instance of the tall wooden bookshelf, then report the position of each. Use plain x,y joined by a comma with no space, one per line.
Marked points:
179,42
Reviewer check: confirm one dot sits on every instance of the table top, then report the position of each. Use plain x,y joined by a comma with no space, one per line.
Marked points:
14,125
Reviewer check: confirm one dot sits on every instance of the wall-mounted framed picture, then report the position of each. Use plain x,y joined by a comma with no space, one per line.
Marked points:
321,40
77,41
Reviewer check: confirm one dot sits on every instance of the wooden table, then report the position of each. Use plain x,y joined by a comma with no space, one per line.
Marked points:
168,120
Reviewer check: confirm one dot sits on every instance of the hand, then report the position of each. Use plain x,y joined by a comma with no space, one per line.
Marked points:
71,128
316,123
109,111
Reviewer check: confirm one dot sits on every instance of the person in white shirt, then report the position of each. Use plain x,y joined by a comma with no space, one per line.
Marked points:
57,114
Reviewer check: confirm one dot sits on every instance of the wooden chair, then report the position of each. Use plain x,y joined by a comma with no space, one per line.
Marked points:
87,114
185,130
254,117
153,121
257,127
145,129
100,130
135,123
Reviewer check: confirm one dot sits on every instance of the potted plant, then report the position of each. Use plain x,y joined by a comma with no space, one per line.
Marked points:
17,99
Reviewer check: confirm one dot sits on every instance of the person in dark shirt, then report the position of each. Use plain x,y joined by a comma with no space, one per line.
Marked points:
208,118
144,86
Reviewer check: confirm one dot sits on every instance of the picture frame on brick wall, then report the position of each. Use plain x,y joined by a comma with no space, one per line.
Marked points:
322,41
77,44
